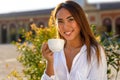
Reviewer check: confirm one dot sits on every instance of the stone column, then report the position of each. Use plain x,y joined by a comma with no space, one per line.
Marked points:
0,35
8,33
113,26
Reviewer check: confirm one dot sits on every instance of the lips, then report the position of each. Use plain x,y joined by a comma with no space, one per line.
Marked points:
68,33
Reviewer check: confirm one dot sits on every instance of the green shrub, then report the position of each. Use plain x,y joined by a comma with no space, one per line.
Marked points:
30,51
112,50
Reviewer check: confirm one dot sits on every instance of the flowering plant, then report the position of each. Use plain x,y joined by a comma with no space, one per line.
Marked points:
112,50
30,50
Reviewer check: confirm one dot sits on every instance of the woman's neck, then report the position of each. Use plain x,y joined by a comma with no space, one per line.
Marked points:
73,44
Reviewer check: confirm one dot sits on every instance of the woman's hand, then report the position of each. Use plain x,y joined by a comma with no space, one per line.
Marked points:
46,52
48,55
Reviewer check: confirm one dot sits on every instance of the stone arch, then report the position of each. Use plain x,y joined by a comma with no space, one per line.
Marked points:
4,33
108,24
117,25
13,32
21,28
22,25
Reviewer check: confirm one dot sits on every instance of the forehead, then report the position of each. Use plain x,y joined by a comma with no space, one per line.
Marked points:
63,13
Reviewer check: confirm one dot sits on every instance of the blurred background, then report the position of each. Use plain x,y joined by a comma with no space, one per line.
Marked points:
20,14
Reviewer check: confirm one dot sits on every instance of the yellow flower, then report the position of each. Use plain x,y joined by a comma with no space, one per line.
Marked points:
19,40
33,26
7,65
8,76
28,34
98,38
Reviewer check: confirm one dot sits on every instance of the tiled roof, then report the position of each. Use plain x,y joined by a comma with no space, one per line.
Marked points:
27,13
108,6
102,6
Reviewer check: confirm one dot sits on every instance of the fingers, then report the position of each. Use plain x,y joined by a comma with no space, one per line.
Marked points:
44,47
45,50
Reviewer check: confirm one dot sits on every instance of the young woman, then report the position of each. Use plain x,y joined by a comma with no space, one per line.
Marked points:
82,57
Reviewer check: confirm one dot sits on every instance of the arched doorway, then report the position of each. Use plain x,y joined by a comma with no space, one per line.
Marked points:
117,26
12,32
4,33
21,29
108,24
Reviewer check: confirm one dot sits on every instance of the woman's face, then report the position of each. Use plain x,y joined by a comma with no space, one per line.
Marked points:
67,26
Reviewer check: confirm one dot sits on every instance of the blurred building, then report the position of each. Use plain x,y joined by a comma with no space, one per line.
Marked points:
106,16
12,23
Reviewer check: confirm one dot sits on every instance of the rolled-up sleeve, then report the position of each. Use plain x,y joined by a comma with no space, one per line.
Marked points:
46,77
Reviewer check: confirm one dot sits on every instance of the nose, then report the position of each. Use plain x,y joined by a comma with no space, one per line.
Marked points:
66,25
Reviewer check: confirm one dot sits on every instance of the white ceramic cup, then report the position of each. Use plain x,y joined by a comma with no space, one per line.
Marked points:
56,45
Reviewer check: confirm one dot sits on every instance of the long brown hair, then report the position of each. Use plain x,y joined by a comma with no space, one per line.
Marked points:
86,33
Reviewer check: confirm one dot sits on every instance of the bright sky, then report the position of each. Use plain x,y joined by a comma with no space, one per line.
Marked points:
7,6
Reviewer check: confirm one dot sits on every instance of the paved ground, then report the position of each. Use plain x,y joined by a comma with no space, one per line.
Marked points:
8,62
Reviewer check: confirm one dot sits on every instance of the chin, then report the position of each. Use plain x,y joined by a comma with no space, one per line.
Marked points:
69,38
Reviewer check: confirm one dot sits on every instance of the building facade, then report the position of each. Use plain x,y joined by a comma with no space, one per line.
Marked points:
104,15
12,23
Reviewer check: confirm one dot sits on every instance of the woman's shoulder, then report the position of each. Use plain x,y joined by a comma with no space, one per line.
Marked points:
93,48
101,52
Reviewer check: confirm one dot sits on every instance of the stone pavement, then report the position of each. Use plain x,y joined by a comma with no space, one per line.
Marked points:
8,62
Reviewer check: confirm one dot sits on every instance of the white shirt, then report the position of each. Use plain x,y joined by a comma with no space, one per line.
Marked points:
80,69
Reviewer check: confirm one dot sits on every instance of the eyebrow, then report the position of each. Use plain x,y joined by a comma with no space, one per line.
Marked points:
69,17
66,18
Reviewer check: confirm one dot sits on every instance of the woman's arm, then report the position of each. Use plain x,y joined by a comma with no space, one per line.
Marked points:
49,69
49,72
48,55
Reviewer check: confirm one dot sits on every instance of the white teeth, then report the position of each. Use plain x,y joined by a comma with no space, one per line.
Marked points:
67,33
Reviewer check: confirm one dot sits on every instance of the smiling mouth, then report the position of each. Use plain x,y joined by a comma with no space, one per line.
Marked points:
68,33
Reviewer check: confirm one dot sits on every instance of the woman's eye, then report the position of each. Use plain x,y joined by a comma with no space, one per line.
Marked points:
71,19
